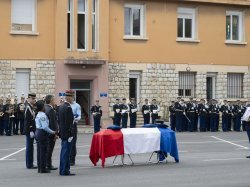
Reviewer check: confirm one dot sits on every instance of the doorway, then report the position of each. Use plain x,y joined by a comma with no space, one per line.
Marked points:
134,85
211,82
83,98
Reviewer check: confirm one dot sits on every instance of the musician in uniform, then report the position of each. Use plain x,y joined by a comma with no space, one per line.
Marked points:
179,115
230,115
213,115
16,118
172,116
124,113
117,112
42,133
53,125
30,128
66,118
238,113
133,108
21,108
1,116
154,110
246,119
146,112
77,112
203,112
226,116
191,112
8,120
96,111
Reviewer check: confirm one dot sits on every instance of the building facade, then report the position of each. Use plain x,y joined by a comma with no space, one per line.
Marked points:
108,49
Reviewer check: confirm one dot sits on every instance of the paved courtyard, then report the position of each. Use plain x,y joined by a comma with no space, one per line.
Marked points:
206,159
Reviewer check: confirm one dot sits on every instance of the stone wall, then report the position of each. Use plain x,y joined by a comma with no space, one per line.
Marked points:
42,78
201,85
246,83
221,86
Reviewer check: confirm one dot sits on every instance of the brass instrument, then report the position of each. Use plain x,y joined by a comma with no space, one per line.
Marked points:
11,109
22,107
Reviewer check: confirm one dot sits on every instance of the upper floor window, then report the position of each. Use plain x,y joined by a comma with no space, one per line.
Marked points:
234,26
23,16
70,24
186,23
94,24
82,25
134,19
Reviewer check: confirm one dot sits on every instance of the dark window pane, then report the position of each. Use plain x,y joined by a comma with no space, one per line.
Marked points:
180,27
188,28
180,92
235,28
68,31
188,92
127,21
93,32
136,22
81,32
228,28
93,5
79,84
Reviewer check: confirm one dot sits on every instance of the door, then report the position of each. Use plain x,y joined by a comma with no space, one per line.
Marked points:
211,79
83,98
22,82
134,85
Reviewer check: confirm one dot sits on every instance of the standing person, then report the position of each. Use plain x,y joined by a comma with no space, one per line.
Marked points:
243,109
179,115
77,112
146,112
96,111
172,115
51,140
225,116
7,109
1,116
246,118
213,113
16,118
66,119
237,112
42,133
203,112
30,128
117,112
230,115
154,110
124,113
21,109
191,112
133,108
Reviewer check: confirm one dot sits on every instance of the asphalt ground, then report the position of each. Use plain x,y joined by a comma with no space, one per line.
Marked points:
206,159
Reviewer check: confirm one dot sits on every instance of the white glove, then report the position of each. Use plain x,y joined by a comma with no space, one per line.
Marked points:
32,135
75,120
70,139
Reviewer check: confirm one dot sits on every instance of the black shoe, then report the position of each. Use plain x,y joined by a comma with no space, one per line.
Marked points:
52,168
72,163
70,174
45,171
247,156
33,167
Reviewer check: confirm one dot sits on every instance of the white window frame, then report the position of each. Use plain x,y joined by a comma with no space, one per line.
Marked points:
188,13
142,22
96,13
71,12
34,22
240,14
86,25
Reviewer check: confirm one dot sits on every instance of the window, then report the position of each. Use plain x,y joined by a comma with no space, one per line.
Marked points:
70,24
23,16
235,85
134,19
94,24
234,26
22,82
81,25
186,23
187,84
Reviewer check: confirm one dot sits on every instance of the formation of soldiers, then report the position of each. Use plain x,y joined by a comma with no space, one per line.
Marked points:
204,116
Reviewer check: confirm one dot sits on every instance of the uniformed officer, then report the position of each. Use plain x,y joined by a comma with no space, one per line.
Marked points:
191,112
30,128
1,116
21,109
117,112
8,120
246,119
77,112
154,110
226,116
172,115
133,108
243,108
146,112
42,133
230,115
96,111
16,118
179,114
237,113
124,112
66,119
53,125
203,112
213,115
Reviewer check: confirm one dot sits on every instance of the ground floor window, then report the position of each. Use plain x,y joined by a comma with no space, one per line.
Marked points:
187,83
235,85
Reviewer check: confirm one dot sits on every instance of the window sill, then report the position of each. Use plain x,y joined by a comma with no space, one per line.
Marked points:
24,33
235,42
134,38
187,40
81,50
